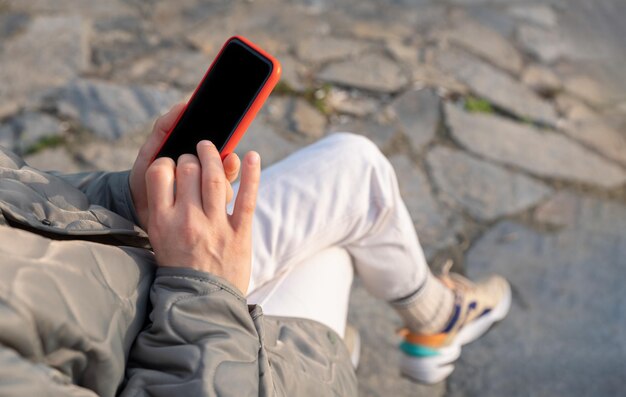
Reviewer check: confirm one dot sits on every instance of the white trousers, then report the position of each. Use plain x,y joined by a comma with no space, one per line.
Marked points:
325,210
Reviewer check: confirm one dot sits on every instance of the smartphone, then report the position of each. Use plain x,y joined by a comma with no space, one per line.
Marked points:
226,101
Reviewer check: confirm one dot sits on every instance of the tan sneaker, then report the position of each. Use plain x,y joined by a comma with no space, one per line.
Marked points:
352,339
430,358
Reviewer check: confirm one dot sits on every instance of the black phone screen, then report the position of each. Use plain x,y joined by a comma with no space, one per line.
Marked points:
221,101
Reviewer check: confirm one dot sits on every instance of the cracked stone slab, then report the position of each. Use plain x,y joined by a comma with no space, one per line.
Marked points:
543,153
54,159
569,210
85,8
602,137
263,138
50,51
487,44
8,136
547,45
382,132
12,23
342,101
321,49
418,114
371,72
292,72
539,14
109,156
110,110
541,79
31,127
180,68
297,116
486,191
565,283
589,90
435,225
496,86
432,76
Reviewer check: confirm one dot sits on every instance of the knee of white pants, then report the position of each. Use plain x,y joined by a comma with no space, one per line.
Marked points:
356,153
350,144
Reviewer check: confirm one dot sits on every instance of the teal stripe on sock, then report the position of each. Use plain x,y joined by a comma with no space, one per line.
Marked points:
417,350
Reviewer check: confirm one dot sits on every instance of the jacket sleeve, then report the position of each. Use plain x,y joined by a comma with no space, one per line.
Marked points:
201,341
110,190
21,377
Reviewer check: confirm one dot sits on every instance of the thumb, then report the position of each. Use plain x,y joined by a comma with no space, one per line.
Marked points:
161,127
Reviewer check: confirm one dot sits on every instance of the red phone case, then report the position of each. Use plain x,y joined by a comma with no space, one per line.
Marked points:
254,108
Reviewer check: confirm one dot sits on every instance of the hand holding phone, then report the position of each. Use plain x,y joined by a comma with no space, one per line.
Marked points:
226,101
177,133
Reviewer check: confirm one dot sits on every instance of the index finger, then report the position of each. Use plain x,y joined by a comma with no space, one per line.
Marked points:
213,179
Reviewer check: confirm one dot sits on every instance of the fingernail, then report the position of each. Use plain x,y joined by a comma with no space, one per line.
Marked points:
206,143
254,158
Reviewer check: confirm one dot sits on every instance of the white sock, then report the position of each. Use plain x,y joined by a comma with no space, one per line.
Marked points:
428,309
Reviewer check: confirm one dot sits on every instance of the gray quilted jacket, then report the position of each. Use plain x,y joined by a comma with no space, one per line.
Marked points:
85,312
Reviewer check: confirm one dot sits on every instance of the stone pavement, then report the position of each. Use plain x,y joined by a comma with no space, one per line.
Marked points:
505,121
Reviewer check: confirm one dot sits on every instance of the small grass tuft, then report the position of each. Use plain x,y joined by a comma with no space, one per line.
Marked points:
45,143
478,105
317,98
283,88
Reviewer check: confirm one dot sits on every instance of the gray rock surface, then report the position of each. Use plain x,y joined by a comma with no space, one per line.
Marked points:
547,46
262,138
321,49
307,120
539,14
12,23
383,133
487,44
589,90
54,159
32,127
484,190
50,51
599,135
108,156
344,102
110,110
183,69
542,153
418,114
496,86
8,136
496,18
434,223
296,115
569,291
292,72
541,79
371,72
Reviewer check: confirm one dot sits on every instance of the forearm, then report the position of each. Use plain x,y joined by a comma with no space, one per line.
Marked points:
110,190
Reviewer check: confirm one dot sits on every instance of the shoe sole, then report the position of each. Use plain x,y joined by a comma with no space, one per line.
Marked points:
434,369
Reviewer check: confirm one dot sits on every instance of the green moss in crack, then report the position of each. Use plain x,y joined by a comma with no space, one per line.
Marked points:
283,88
317,97
45,143
478,105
